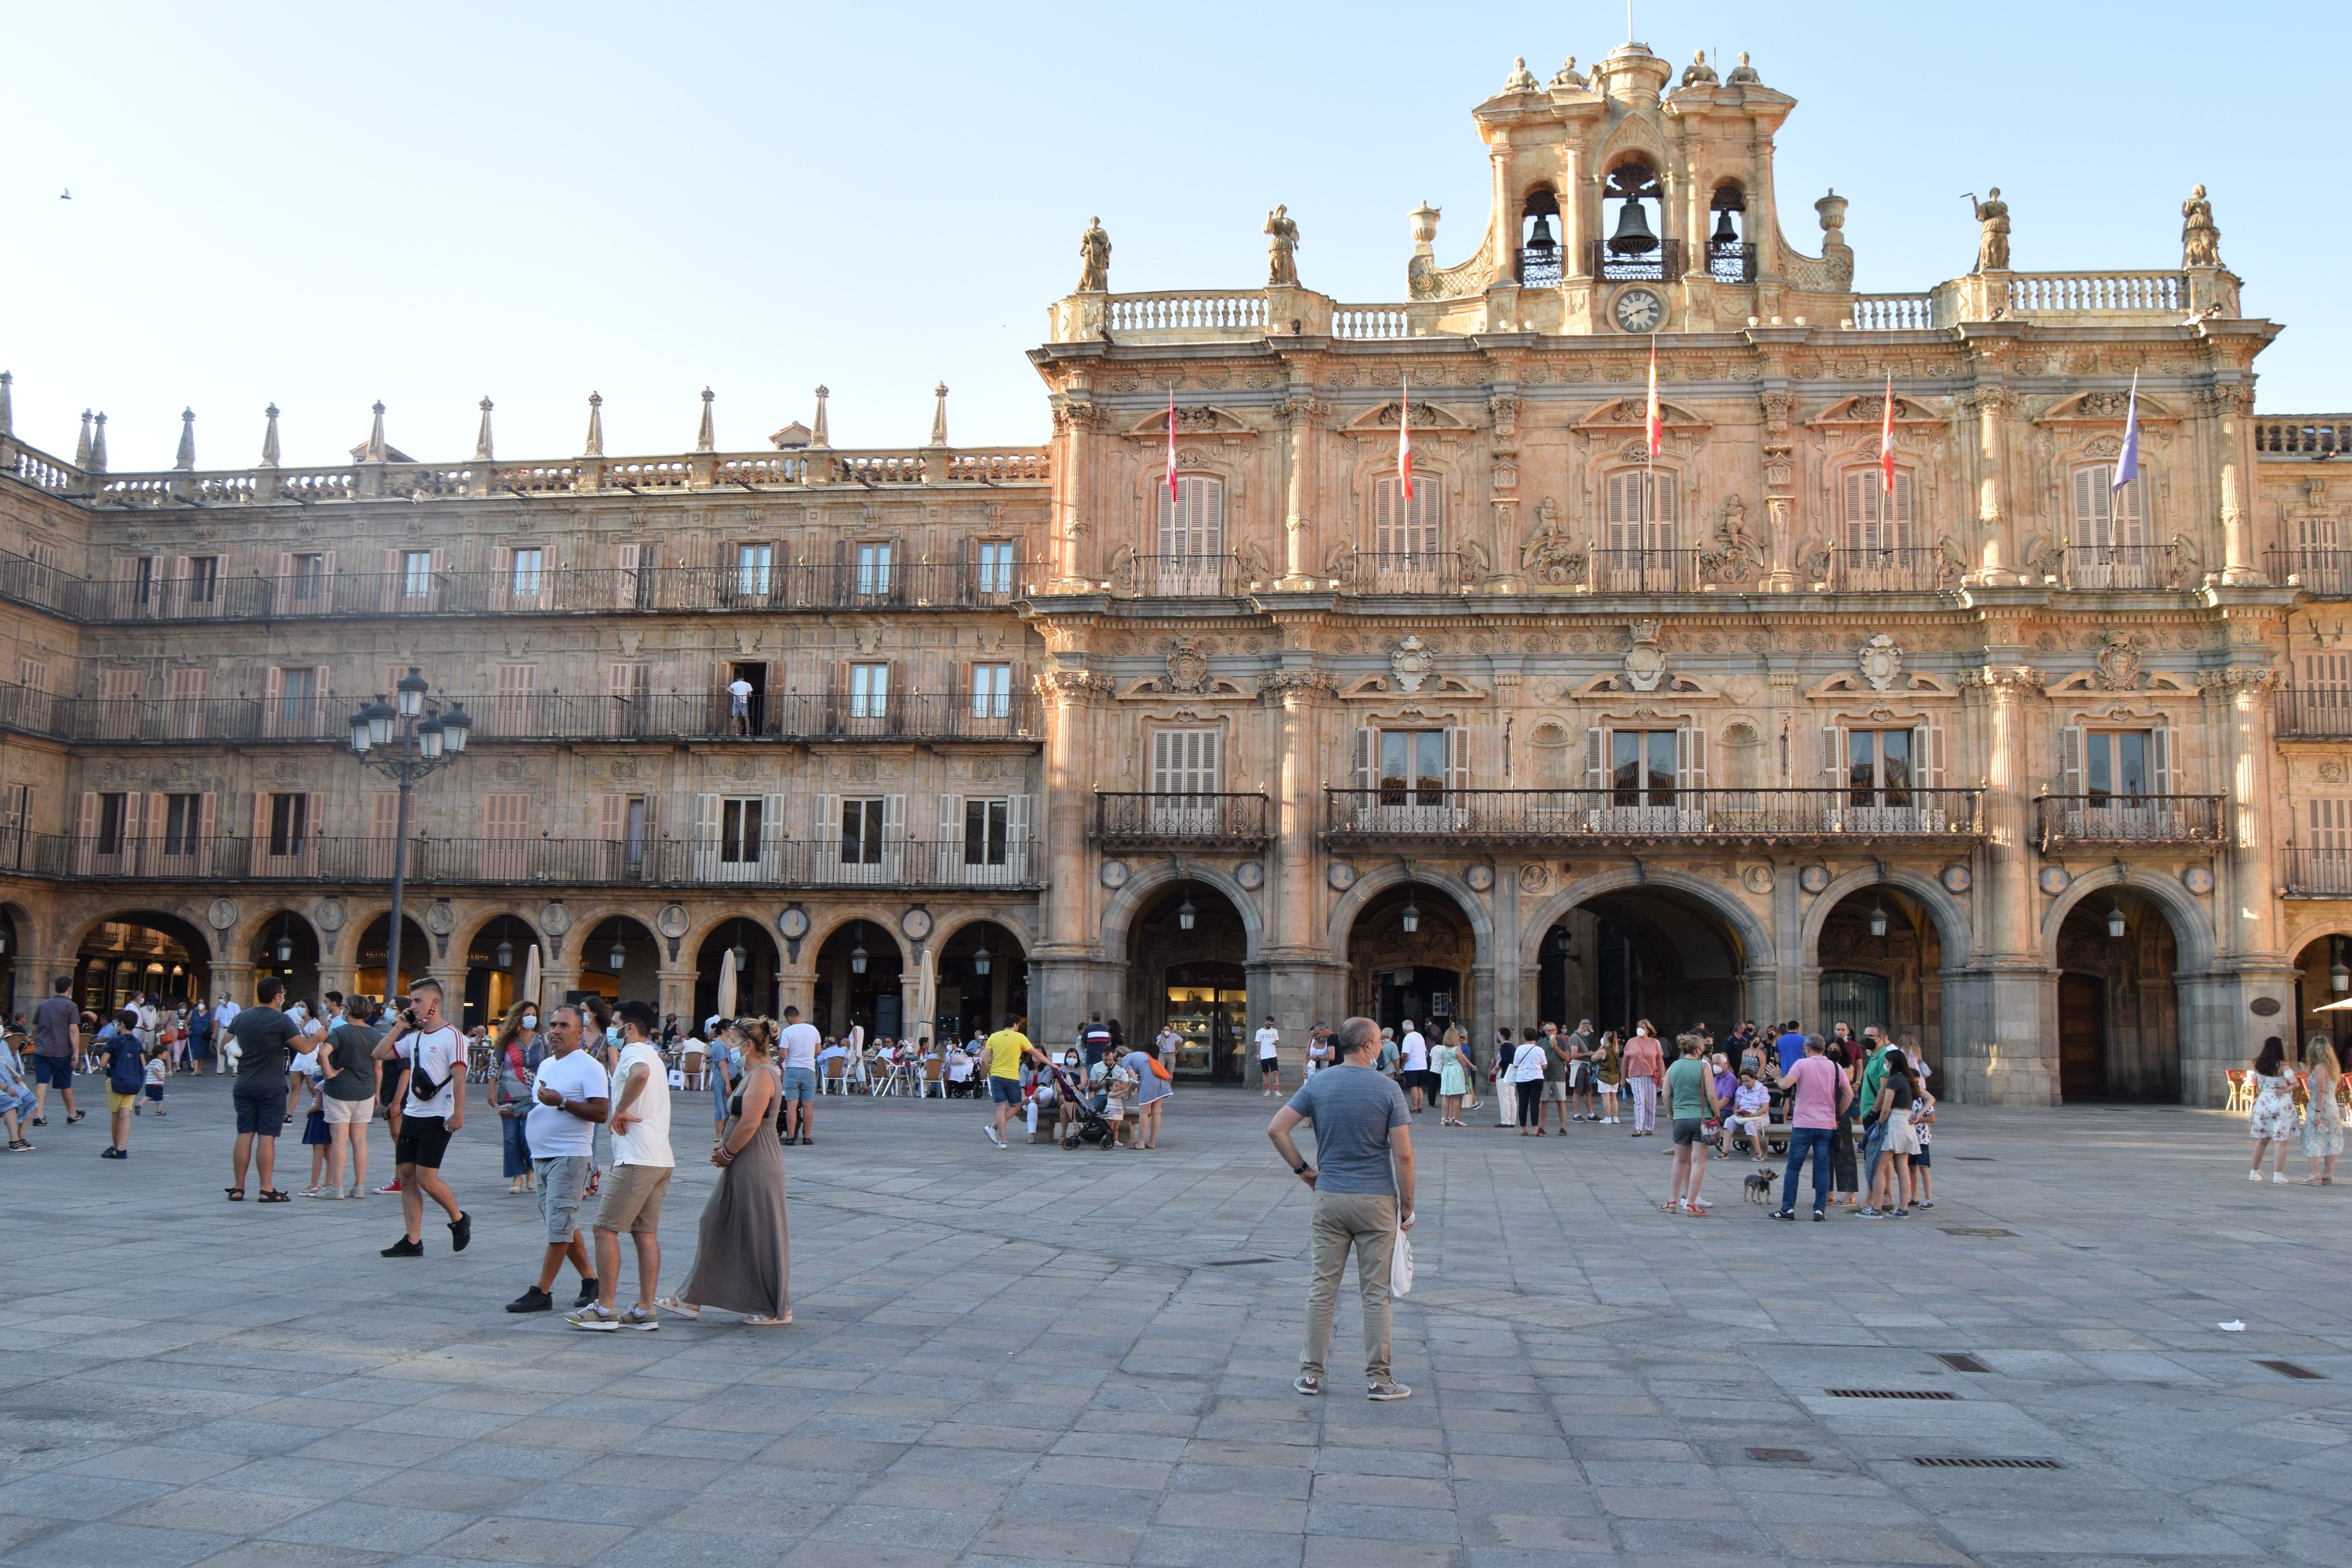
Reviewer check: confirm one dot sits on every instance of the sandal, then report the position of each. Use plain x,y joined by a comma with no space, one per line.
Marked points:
235,1194
761,1320
272,1196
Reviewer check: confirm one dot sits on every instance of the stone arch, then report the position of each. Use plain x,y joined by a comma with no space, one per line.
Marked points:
1380,878
823,922
1952,926
1755,942
2191,929
1120,912
953,921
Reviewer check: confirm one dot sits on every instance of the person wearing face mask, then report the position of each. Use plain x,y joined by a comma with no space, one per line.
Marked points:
514,1057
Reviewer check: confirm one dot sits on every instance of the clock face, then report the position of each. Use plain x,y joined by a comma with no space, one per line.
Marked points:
1640,310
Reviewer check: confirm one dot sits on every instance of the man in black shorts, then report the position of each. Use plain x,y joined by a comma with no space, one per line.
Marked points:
57,1042
265,1037
433,1108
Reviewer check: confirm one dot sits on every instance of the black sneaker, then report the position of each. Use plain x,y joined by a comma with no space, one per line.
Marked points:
1819,1215
461,1231
114,1153
587,1292
532,1300
404,1248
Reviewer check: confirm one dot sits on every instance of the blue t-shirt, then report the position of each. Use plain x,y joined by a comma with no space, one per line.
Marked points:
1791,1049
1354,1109
126,1070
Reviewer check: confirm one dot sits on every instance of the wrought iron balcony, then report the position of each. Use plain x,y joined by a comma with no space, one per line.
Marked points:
2318,873
2314,713
1178,576
2107,568
775,861
1230,820
1549,817
2322,572
1662,265
1909,568
2085,820
1405,571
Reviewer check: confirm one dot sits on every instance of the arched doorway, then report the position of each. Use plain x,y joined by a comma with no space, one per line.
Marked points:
1411,955
416,956
142,951
498,961
1625,954
983,978
1186,952
285,945
620,959
2118,1013
857,975
2324,974
1880,954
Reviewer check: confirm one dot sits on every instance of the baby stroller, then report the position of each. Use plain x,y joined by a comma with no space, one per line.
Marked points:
1093,1126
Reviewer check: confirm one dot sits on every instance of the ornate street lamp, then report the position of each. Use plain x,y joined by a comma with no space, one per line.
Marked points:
2115,924
980,958
857,951
425,748
1878,920
1412,915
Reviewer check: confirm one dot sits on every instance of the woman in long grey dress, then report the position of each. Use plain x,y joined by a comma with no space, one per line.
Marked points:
742,1255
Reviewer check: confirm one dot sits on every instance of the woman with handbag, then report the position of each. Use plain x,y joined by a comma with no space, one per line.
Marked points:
1151,1096
508,1092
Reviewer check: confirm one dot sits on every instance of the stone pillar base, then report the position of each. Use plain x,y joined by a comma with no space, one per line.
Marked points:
2000,1038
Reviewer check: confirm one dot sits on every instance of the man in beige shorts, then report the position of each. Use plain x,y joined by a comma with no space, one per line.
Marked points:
642,1165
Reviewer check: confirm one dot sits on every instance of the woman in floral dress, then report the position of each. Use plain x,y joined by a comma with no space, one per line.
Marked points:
1453,1081
2274,1120
2323,1123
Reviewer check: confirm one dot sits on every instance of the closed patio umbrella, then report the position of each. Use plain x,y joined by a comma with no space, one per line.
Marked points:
530,977
727,984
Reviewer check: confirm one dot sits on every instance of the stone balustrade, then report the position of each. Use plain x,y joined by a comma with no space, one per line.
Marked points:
2302,434
1219,310
2105,294
1893,312
1366,321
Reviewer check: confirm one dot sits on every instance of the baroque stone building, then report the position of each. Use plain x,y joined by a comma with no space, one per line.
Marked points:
1194,714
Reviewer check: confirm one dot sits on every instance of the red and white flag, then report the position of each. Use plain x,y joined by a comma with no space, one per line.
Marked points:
1886,440
1171,444
1656,426
1404,439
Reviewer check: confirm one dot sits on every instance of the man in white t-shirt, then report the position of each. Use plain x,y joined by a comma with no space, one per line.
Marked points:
796,1048
739,705
571,1095
1270,1057
435,1056
642,1166
1169,1043
1412,1064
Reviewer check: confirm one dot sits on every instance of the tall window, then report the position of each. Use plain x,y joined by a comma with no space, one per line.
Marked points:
309,579
2105,516
870,690
2331,825
1193,522
1641,510
143,581
754,564
204,579
1413,766
2116,765
290,823
114,823
1878,766
739,830
986,824
1185,762
873,570
183,820
861,831
992,690
994,559
1415,527
296,688
417,573
1874,520
1642,766
526,576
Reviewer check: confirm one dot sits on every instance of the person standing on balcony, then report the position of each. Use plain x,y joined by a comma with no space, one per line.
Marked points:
57,1040
1645,1065
738,706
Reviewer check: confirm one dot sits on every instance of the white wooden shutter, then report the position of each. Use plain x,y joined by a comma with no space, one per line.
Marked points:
273,690
391,578
159,806
1690,754
314,721
1367,762
1927,756
625,578
502,577
205,805
1596,758
1016,839
612,834
826,837
2090,508
2159,760
950,844
314,819
85,830
2069,760
772,836
1832,757
281,587
1457,758
258,846
704,852
894,836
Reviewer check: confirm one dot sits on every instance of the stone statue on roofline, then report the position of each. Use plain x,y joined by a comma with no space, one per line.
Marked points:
1567,76
1282,242
2201,242
1093,259
1992,239
1698,73
1522,79
1743,72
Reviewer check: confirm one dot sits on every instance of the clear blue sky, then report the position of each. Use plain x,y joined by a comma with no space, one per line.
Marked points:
325,204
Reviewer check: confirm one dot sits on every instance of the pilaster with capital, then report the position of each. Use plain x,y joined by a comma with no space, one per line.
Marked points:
1299,413
1298,695
1077,454
2233,408
2001,691
2249,925
1995,561
1070,694
1779,490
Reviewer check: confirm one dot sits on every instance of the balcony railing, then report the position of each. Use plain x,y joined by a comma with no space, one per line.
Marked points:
1893,312
1551,816
2319,873
2315,712
2083,819
1645,571
2321,572
1231,819
776,862
1663,264
826,586
1422,571
1178,576
1909,569
2096,568
2304,435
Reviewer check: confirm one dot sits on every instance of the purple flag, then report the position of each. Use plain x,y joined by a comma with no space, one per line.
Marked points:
2128,460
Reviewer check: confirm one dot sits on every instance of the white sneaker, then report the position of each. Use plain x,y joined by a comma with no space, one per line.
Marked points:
991,1132
2279,1177
2253,1175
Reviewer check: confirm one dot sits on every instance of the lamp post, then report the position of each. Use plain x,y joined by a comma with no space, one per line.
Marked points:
425,748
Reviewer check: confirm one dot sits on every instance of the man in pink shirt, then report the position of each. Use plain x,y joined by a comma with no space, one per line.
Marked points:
1817,1092
1645,1065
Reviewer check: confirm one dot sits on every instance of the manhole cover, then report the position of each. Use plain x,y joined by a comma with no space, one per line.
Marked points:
1780,1456
2288,1368
1889,1394
1960,1360
1979,1462
1976,1230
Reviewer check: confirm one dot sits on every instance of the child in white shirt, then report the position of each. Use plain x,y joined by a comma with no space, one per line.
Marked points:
155,1070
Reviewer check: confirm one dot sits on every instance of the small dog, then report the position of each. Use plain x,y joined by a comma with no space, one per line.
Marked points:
1757,1187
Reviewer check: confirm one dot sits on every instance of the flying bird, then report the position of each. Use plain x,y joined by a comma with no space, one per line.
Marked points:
66,194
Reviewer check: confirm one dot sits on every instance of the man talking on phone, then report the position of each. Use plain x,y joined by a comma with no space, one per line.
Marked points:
434,1107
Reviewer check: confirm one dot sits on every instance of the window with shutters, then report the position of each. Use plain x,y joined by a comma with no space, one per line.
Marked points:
1878,767
1184,781
993,560
142,582
290,823
1642,766
992,690
1875,521
33,674
1411,767
15,822
861,831
2116,765
755,564
870,690
1641,509
2331,827
114,824
1408,528
510,702
506,825
417,573
2105,516
739,829
297,691
873,570
182,821
632,831
309,580
1192,520
987,825
526,574
201,586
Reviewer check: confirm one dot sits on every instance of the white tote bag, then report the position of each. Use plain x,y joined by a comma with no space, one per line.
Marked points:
1401,1265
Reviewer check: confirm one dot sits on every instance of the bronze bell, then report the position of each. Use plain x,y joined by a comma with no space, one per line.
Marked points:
1541,238
1632,237
1724,233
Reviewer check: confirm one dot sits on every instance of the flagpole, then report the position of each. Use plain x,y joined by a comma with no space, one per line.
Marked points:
1650,415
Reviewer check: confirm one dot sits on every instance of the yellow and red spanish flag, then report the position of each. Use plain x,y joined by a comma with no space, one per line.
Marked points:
1656,426
1404,437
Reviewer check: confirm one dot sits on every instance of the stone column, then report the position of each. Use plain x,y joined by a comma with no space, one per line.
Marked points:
1075,461
1288,977
1065,948
2251,929
2001,1039
1297,413
556,984
1993,564
235,977
2235,437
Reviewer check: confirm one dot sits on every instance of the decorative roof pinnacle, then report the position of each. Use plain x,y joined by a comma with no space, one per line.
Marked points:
81,447
939,416
705,438
482,448
98,446
7,415
184,460
821,436
270,438
374,453
595,444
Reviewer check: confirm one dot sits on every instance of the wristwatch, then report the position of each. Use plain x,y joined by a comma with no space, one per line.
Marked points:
1299,1169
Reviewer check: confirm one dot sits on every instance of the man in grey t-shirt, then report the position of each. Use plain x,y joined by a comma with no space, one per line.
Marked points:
1363,1196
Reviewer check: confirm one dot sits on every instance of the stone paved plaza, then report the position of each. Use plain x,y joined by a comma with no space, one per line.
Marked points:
1042,1356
